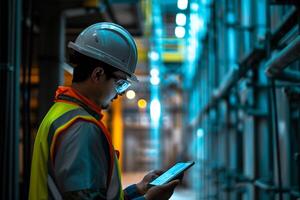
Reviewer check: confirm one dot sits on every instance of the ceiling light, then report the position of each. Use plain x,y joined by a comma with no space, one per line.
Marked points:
194,6
154,55
155,109
154,80
182,4
142,103
154,72
180,19
130,94
200,133
179,32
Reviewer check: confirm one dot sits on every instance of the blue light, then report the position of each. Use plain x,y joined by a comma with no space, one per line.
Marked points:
154,80
182,4
179,32
191,52
194,6
206,2
200,133
232,46
197,22
153,55
230,18
155,64
158,31
155,110
154,72
180,19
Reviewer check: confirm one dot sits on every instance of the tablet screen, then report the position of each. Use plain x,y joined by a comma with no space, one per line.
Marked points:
171,173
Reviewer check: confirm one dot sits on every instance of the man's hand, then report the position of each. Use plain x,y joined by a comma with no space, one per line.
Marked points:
162,192
143,185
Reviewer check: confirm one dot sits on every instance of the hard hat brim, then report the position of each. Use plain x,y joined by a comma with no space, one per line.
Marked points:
100,57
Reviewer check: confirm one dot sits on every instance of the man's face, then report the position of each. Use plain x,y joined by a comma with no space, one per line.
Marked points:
115,81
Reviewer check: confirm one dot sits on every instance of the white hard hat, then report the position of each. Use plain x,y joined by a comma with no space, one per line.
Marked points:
109,43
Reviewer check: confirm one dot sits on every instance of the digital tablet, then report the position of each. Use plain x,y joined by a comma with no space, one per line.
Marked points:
171,173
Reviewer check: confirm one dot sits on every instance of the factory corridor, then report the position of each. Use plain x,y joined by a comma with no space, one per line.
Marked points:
214,82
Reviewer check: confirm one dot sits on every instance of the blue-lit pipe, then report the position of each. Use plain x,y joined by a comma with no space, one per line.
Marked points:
155,64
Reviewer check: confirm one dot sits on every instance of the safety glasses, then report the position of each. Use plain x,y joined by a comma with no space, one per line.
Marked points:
121,85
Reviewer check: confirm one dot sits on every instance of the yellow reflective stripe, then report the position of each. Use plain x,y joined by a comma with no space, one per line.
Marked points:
39,167
120,178
64,127
121,194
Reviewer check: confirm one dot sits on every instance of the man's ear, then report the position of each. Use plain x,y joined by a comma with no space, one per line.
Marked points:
97,73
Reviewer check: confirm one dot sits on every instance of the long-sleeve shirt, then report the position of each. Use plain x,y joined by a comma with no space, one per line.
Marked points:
81,165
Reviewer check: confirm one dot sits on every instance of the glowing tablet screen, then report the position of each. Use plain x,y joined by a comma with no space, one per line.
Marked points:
171,173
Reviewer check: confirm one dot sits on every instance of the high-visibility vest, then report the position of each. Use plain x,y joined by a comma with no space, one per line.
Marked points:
58,119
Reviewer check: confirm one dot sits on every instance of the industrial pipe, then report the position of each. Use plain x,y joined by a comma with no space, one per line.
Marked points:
279,62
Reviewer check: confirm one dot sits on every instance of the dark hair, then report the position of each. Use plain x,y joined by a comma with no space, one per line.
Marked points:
84,66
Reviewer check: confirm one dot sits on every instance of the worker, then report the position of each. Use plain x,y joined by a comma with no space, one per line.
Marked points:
73,156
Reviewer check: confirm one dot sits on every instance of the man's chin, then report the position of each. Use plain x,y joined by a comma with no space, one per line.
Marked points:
106,106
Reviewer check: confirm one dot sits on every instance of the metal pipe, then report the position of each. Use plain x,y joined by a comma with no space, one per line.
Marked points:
231,79
287,24
279,62
263,185
288,75
295,193
237,74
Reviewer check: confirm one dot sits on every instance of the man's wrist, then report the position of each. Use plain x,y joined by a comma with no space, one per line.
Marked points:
132,192
141,188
